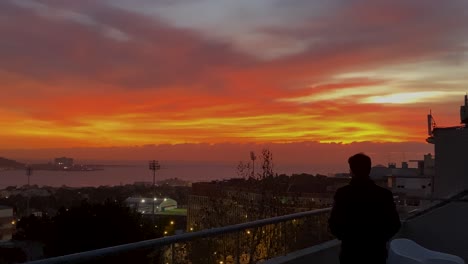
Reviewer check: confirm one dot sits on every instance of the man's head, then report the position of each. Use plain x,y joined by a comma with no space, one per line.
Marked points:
360,165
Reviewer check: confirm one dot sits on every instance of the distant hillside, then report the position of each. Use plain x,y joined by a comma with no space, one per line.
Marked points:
10,164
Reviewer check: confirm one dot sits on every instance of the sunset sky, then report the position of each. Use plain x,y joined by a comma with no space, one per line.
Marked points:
81,74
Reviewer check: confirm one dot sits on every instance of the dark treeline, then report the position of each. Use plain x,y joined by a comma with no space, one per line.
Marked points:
85,227
68,220
48,200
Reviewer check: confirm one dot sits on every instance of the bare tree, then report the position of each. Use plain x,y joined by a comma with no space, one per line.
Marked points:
255,195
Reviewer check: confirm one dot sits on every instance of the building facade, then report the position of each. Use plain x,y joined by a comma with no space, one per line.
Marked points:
451,167
451,151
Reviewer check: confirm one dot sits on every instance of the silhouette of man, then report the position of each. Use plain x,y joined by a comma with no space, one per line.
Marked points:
364,216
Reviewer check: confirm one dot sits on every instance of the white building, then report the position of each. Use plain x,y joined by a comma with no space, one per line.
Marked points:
412,183
411,186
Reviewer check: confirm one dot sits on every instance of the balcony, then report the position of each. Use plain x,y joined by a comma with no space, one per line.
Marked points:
291,239
441,227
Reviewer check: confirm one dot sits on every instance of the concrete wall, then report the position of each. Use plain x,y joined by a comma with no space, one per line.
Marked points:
420,187
326,253
444,229
451,161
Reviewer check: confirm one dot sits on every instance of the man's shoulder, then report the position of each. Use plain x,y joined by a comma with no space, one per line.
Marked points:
374,188
343,190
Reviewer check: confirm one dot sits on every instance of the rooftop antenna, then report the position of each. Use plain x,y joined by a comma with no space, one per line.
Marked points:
431,124
464,111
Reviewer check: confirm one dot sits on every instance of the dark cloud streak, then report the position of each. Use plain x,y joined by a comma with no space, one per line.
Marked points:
351,35
157,55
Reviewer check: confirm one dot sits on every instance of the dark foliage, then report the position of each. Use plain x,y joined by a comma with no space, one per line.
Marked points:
69,197
86,227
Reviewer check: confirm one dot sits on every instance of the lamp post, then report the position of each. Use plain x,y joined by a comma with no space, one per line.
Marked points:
154,166
28,173
253,157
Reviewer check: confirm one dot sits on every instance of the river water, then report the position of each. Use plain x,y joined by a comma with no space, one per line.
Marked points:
138,172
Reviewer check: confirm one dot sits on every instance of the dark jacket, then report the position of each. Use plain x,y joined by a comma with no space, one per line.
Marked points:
364,218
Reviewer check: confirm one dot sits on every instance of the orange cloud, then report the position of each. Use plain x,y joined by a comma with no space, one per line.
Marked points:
95,75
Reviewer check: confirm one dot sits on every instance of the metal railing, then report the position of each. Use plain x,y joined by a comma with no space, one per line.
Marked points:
431,203
236,244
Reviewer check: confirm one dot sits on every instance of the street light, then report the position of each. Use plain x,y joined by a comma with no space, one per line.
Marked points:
253,157
154,166
28,173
